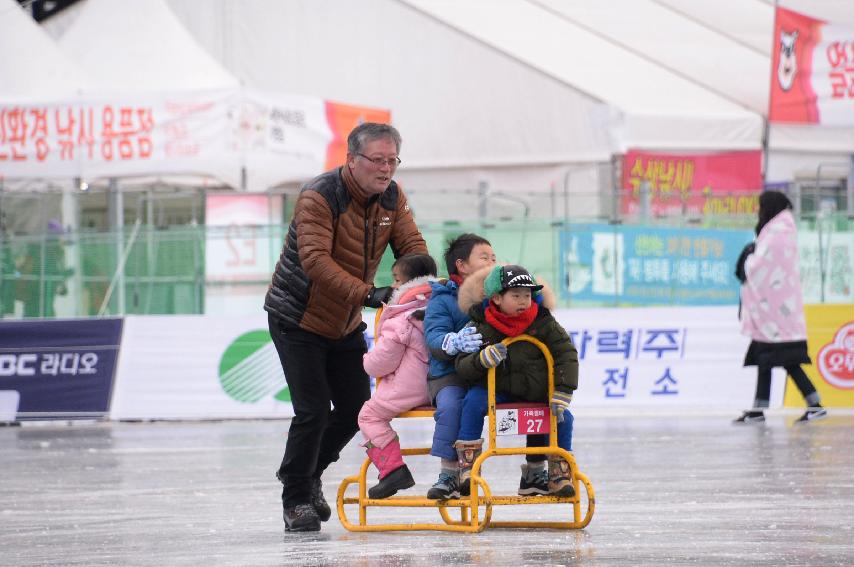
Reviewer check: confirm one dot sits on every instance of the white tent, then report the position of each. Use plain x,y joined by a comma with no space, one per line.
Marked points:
726,47
32,66
501,92
140,45
527,95
159,107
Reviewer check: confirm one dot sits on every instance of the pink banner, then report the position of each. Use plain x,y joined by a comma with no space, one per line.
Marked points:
812,78
718,183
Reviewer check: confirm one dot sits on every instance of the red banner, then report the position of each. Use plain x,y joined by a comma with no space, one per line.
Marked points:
719,183
812,78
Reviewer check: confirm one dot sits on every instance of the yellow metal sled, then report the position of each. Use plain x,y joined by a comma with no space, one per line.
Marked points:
474,512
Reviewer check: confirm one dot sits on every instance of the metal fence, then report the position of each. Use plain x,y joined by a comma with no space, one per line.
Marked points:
147,270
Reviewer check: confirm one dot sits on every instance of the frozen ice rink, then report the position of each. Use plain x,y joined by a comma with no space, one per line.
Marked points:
670,489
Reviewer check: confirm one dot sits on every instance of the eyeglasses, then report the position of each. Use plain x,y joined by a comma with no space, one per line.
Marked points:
379,162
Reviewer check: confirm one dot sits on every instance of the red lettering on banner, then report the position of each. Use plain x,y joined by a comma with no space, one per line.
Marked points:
146,125
86,133
39,132
65,133
14,134
107,133
840,55
33,133
123,132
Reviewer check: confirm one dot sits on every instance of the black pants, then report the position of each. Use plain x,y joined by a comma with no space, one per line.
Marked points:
763,384
319,371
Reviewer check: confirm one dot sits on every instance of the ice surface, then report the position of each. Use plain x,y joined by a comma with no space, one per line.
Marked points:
670,489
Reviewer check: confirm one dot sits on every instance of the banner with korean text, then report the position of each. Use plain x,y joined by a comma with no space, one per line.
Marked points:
671,357
214,367
661,184
812,74
241,137
59,368
650,266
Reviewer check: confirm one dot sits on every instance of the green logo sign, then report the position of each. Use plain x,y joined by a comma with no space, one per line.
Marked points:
249,369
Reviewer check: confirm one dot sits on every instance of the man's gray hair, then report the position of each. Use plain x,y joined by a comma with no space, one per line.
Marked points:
368,132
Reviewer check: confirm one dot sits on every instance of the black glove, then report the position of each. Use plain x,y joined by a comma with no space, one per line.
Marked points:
377,296
742,258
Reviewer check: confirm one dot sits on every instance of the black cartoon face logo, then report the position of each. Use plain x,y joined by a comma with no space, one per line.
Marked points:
788,60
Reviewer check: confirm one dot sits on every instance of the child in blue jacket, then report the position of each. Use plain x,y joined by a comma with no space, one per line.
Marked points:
447,336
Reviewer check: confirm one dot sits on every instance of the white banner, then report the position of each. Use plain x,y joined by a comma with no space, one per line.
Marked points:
242,137
199,367
662,357
212,367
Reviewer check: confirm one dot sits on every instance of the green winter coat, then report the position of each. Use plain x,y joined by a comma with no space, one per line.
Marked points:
524,373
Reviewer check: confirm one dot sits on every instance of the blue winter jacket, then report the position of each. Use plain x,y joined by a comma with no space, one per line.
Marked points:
443,316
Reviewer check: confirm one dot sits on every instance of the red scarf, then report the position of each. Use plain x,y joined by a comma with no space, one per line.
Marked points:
510,325
456,279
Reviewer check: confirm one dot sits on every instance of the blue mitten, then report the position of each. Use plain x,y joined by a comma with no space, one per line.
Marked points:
560,403
467,340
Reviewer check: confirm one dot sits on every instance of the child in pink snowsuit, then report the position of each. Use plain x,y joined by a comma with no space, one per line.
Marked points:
400,357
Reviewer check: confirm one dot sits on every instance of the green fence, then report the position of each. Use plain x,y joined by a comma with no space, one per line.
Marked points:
146,270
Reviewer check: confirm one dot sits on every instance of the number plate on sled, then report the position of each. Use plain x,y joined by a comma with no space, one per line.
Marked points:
521,421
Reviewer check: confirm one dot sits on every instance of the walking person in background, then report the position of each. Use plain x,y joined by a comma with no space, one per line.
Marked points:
342,223
399,356
772,310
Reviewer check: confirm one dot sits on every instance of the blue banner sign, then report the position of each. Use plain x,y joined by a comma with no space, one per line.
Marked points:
59,368
650,266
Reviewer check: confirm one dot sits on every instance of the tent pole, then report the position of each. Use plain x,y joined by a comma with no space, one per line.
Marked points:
117,225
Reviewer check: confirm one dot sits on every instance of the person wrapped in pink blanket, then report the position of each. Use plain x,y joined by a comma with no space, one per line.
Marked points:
400,357
772,307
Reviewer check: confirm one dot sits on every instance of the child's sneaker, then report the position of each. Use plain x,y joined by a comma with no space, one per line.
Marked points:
812,414
560,483
535,480
447,487
750,417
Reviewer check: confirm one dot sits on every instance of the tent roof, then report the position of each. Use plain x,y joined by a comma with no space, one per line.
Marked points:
578,55
140,45
32,65
570,47
681,46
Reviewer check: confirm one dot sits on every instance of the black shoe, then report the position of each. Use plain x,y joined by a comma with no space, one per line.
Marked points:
534,481
812,414
301,518
750,417
398,479
447,487
324,512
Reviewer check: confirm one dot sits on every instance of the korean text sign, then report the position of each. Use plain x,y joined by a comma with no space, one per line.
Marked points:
715,183
651,266
686,356
60,368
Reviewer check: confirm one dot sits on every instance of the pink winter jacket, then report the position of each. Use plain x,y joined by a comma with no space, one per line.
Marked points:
772,305
400,353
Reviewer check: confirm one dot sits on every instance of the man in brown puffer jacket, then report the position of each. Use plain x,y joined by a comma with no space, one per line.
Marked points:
342,223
